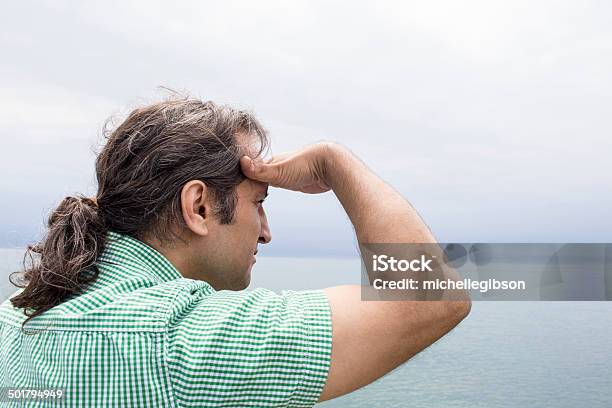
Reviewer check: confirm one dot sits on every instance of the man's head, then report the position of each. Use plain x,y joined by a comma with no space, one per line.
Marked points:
170,176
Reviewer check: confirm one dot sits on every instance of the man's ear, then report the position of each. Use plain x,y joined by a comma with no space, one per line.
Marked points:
195,206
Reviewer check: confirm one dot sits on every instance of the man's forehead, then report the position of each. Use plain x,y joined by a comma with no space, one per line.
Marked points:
256,187
250,146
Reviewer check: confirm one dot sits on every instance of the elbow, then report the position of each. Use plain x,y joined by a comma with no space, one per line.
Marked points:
460,309
457,308
466,308
460,305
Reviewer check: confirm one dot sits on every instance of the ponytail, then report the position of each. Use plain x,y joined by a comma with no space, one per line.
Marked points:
63,262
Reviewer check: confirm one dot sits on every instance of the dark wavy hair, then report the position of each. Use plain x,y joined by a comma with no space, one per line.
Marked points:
140,171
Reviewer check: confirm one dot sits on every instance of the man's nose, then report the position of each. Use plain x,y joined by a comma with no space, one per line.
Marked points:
265,236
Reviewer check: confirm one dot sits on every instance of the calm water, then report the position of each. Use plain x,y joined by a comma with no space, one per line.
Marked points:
505,354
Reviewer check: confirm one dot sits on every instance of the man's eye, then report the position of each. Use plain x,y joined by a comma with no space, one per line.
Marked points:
260,202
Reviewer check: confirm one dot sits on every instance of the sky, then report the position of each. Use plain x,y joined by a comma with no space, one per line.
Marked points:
491,117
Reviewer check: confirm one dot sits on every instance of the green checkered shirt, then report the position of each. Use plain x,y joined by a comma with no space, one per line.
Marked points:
142,335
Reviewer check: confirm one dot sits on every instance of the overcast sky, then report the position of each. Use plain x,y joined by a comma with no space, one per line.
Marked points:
492,117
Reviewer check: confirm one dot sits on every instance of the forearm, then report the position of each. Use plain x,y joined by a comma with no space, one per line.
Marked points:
372,338
378,212
381,215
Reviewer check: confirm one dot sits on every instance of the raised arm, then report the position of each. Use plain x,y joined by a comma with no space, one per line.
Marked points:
369,338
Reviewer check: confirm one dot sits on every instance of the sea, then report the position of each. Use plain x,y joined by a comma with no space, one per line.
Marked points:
504,354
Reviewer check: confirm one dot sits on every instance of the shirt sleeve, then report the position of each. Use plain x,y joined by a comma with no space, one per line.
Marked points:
254,348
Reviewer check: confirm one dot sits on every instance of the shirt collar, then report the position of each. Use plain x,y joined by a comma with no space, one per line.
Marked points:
123,248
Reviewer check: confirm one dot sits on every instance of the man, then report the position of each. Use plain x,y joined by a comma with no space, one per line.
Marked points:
134,297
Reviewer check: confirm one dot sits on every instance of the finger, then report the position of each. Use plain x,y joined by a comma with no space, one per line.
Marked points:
280,157
258,170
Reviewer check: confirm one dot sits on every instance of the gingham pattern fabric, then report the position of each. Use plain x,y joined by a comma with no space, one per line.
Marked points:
142,335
